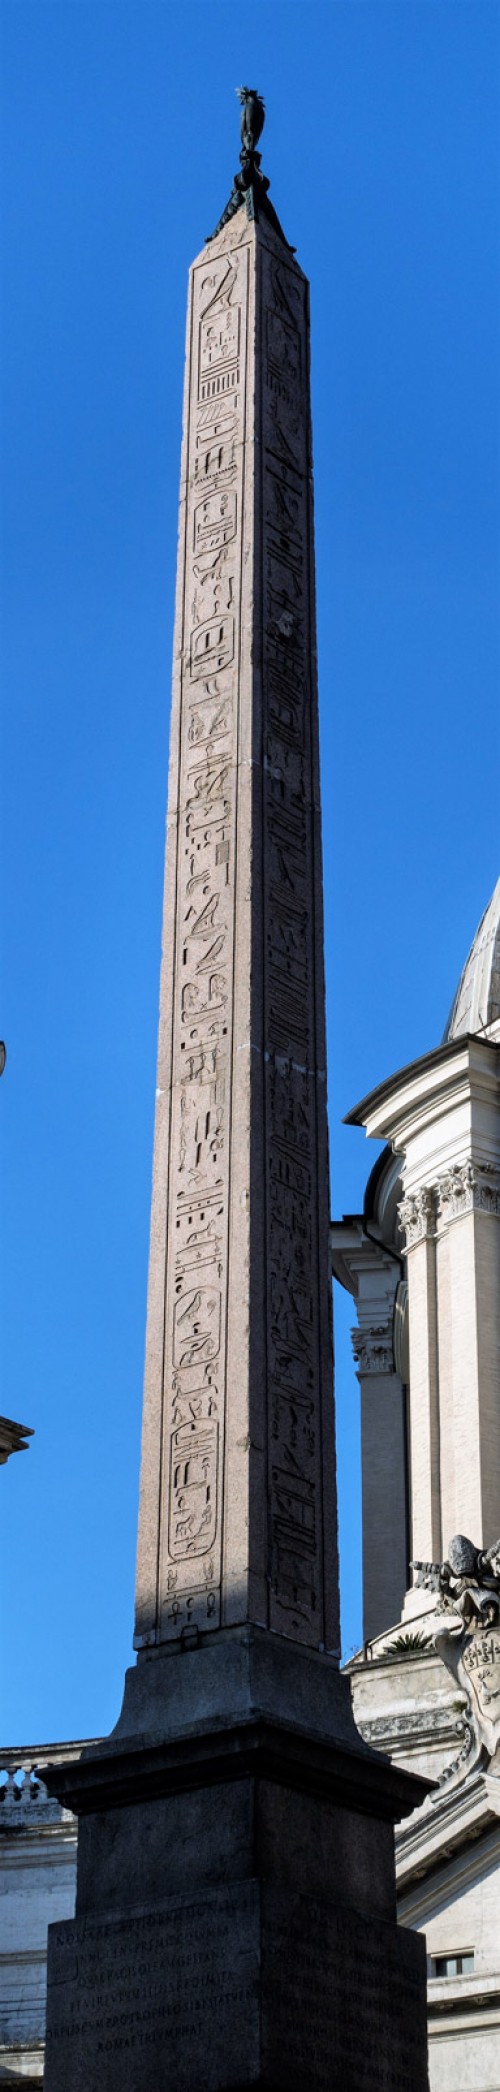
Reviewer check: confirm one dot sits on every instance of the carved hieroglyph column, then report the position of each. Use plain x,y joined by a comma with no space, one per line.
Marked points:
238,1515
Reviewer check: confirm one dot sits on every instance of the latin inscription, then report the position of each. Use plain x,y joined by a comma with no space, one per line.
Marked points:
357,2023
193,1988
165,1987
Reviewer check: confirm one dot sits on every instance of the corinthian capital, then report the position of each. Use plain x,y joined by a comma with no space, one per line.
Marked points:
416,1215
373,1349
465,1188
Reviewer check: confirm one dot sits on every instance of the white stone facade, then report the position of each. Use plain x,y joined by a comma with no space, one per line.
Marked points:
442,1118
37,1885
429,1238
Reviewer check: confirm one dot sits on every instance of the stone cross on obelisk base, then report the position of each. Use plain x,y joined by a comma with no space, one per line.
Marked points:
235,1921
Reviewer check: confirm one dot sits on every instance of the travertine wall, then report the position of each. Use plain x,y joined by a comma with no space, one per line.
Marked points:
442,1118
37,1885
459,1908
453,1250
425,1485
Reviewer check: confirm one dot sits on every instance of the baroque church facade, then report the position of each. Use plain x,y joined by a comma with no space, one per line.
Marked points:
422,1263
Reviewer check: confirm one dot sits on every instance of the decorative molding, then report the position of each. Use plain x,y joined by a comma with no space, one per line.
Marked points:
13,1437
465,1188
426,1725
416,1214
373,1350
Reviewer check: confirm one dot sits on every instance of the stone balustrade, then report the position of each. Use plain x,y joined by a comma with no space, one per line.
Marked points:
23,1795
21,1791
37,1885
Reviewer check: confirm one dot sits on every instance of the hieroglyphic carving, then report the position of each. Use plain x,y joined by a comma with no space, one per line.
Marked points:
291,955
244,745
197,1274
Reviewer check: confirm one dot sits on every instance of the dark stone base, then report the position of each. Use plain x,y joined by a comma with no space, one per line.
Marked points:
235,1922
241,1986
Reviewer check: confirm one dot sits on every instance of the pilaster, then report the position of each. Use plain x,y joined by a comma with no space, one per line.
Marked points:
417,1220
442,1115
372,1276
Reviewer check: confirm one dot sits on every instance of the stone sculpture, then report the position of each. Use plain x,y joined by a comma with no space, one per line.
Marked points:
466,1632
250,186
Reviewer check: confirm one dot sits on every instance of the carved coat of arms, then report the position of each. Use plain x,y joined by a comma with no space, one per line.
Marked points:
466,1633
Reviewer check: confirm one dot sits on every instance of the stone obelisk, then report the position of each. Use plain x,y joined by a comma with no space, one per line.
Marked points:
235,1920
238,1515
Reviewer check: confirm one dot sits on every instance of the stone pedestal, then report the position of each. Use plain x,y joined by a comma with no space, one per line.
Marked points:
235,1920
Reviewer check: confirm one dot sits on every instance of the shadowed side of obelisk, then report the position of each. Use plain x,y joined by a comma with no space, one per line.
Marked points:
235,1920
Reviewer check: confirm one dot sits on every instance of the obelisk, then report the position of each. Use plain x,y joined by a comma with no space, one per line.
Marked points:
238,1514
235,1920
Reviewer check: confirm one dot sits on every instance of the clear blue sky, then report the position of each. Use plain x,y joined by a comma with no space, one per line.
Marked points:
120,140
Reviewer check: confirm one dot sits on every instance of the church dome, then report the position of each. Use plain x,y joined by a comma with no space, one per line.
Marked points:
477,1000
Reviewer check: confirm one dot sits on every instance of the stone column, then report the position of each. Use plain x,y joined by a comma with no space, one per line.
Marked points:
453,1245
468,1272
235,1920
417,1221
384,1481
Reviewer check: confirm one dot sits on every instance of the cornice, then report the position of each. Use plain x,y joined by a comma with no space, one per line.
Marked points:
444,1826
428,1088
451,1873
357,1258
426,1728
264,1749
52,1845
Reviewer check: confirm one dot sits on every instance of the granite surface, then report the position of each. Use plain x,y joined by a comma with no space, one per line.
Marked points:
242,1985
